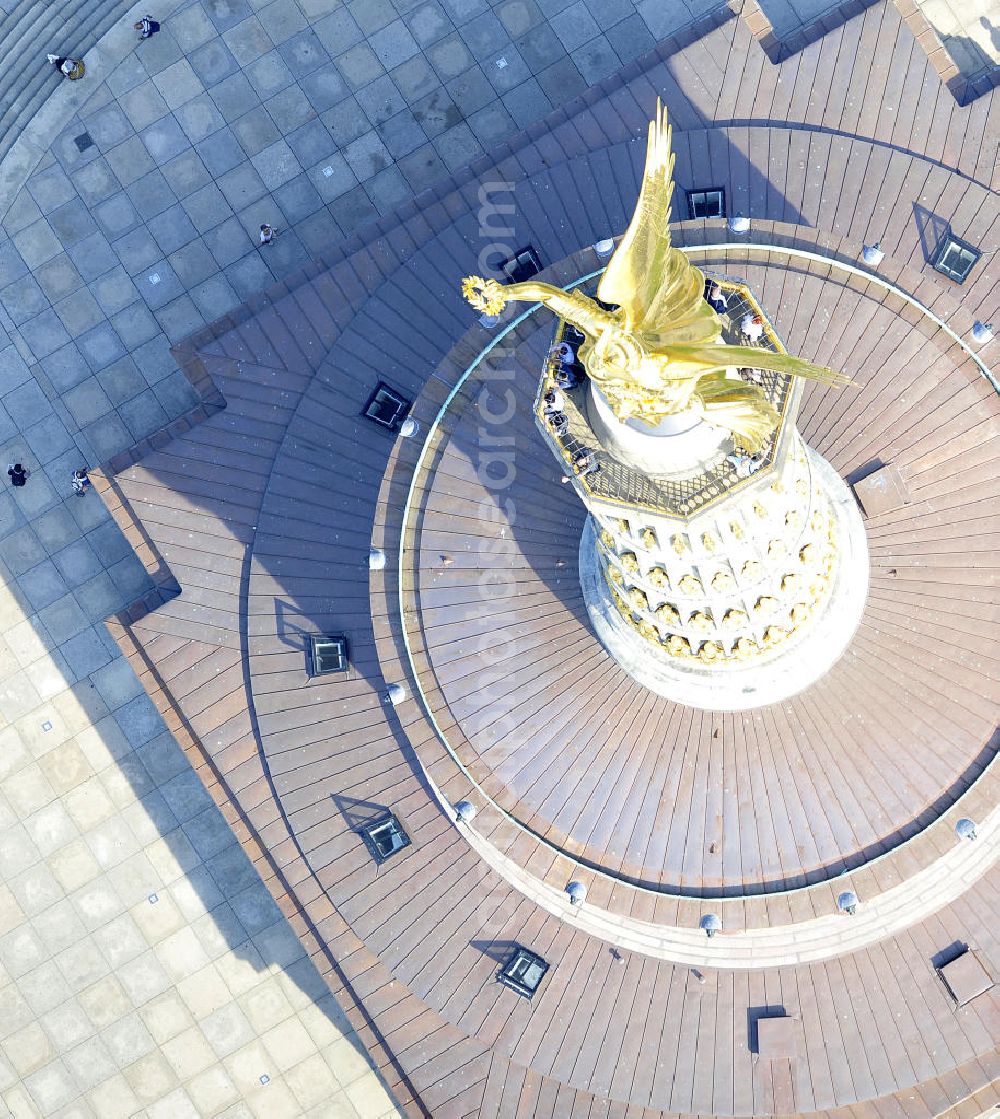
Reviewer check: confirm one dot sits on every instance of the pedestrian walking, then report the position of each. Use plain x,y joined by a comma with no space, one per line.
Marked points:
147,26
71,68
80,482
267,234
18,475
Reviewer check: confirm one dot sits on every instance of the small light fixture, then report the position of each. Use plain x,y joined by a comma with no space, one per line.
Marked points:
873,255
395,694
739,223
376,559
605,247
847,902
408,428
982,331
465,810
710,924
577,892
489,321
965,828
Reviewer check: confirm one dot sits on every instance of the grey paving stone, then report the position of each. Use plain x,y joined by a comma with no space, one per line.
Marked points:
87,402
457,147
66,368
234,97
414,78
268,74
520,16
51,188
176,393
144,105
540,47
297,199
23,211
352,210
8,429
575,26
37,243
428,22
116,684
11,517
178,83
193,263
42,584
215,297
129,73
492,124
387,190
107,436
129,161
172,228
322,89
529,102
114,291
109,127
13,370
154,359
191,28
304,53
100,346
281,19
247,40
485,36
179,318
380,100
286,254
290,109
200,118
242,186
311,142
85,652
108,543
48,439
402,134
226,13
338,32
359,66
121,381
228,242
143,415
79,312
116,215
255,130
213,62
77,562
159,52
93,256
44,334
220,153
609,13
135,325
249,275
508,76
314,9
158,284
449,57
55,529
21,550
436,113
26,404
366,156
63,619
332,177
136,250
461,11
23,299
151,194
596,60
72,222
346,122
185,173
12,266
370,15
206,208
317,232
164,139
467,94
276,165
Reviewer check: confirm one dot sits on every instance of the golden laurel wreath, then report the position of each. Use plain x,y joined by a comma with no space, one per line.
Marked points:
484,295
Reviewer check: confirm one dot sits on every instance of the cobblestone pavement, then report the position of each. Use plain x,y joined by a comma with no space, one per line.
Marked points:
143,968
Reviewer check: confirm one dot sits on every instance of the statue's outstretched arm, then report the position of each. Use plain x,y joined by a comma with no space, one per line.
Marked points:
491,297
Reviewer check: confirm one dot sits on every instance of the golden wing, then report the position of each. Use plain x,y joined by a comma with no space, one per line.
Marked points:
656,286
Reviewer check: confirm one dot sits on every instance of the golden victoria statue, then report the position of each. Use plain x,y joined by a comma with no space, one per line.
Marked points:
658,354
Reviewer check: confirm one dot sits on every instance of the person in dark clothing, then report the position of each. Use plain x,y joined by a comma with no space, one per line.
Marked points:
146,27
18,475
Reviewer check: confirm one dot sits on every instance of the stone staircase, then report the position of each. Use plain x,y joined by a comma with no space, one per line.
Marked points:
28,32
